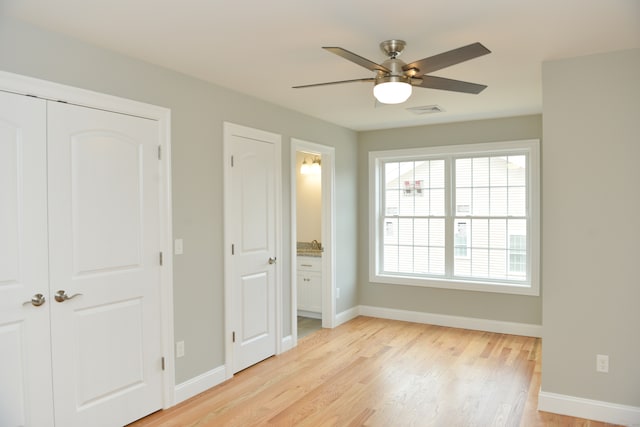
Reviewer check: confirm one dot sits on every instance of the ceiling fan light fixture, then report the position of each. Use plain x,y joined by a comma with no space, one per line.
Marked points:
392,90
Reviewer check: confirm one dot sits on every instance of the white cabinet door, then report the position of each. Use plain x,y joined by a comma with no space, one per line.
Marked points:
104,256
25,370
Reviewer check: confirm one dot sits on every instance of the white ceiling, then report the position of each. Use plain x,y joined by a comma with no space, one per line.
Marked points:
262,48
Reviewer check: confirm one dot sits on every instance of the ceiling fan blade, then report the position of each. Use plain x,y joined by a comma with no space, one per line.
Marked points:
357,59
334,83
447,59
433,82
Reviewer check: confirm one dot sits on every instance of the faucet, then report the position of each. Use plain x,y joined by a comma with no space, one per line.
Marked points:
316,245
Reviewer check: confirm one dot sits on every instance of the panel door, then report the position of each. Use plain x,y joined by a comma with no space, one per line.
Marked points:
25,368
104,266
254,301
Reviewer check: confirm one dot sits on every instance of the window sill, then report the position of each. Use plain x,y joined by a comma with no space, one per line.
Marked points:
464,285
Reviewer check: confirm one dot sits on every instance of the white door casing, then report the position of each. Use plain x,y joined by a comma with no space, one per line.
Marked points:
25,371
328,232
104,245
252,233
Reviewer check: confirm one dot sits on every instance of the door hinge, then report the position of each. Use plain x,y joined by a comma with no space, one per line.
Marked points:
160,258
231,161
233,249
159,152
162,363
233,336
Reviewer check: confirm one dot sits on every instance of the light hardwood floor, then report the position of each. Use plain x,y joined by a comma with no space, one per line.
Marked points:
376,372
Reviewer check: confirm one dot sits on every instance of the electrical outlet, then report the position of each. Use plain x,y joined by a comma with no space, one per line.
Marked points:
337,293
602,363
180,349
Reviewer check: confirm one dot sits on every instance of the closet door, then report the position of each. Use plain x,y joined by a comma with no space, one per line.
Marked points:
104,266
25,368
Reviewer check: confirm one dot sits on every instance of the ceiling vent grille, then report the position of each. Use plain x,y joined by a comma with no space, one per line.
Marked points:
426,109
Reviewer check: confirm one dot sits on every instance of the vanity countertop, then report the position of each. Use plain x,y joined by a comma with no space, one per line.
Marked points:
313,249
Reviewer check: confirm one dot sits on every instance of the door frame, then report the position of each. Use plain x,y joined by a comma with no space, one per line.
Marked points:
328,236
230,129
51,91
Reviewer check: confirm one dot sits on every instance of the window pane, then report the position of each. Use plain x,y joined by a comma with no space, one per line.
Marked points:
498,201
479,262
497,264
480,201
436,232
517,201
463,173
405,231
436,261
462,266
463,201
517,170
480,167
480,233
392,202
406,200
421,260
422,203
498,171
461,238
405,259
390,258
390,231
437,202
421,232
437,173
421,175
498,233
391,175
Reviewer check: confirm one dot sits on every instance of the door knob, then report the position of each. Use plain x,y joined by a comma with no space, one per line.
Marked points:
61,296
272,260
37,300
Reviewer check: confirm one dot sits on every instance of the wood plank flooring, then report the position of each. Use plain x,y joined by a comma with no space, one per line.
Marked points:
376,372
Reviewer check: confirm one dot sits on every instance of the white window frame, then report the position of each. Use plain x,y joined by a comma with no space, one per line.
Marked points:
529,147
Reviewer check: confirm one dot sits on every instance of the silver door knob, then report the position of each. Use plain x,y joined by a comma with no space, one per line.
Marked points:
61,296
37,300
272,260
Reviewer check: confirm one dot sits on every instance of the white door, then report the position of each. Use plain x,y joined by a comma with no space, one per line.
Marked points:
104,257
253,230
25,367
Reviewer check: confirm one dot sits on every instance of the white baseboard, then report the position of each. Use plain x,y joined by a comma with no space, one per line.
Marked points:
287,344
589,409
345,316
513,328
197,385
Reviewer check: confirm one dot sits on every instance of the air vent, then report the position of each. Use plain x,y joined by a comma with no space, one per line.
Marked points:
426,109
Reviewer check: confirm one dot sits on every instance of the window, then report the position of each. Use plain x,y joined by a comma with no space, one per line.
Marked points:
459,217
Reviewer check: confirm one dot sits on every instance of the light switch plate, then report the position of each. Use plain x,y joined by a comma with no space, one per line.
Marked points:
178,248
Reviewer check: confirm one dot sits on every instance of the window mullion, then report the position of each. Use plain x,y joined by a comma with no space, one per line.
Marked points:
449,216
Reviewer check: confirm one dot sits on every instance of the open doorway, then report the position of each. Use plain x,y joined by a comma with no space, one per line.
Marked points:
312,228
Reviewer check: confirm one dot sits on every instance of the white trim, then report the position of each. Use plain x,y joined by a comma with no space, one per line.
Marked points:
197,385
498,326
287,343
531,147
328,233
230,129
590,409
345,316
54,91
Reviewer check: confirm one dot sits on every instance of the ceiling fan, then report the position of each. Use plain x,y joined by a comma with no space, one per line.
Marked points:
394,79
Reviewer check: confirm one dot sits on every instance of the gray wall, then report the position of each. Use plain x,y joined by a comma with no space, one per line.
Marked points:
591,233
198,110
494,306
